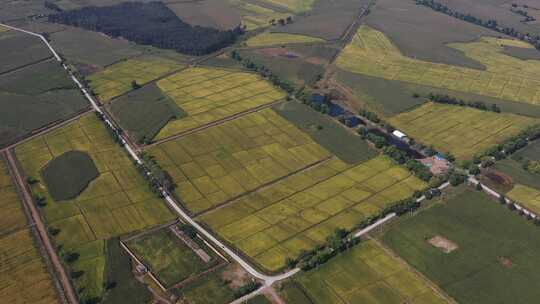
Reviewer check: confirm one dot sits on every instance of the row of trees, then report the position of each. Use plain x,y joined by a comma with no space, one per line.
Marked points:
263,71
150,23
491,23
513,144
480,105
156,176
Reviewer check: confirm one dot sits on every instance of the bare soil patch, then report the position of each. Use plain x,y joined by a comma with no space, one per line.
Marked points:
236,275
279,52
444,244
506,262
499,178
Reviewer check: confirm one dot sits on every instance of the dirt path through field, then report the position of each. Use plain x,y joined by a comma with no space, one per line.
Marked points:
26,198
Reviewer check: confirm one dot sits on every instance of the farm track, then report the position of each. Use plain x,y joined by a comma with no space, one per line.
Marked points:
173,204
42,235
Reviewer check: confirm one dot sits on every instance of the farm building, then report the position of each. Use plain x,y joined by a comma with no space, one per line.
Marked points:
400,135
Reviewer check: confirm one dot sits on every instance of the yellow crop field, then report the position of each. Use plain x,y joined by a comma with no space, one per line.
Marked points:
118,201
21,266
222,162
207,95
116,79
462,131
268,39
300,211
255,16
368,274
372,53
296,6
526,196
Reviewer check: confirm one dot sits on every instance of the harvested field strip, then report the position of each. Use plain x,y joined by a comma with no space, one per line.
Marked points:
117,79
367,274
208,95
299,212
21,266
118,201
526,196
268,39
296,6
506,77
464,132
216,164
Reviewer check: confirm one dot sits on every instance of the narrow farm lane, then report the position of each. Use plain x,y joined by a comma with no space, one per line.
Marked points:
42,231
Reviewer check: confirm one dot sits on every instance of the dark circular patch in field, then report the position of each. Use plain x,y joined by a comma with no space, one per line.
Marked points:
499,178
67,175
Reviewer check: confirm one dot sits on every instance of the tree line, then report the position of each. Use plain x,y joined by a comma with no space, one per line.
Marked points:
480,105
150,23
490,23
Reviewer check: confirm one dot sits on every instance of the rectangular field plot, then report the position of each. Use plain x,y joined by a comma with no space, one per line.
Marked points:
21,266
526,196
117,79
118,201
367,274
19,50
170,258
299,212
207,95
372,53
255,16
461,131
217,164
489,248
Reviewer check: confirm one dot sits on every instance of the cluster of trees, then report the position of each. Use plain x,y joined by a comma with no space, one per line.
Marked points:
371,116
515,9
511,145
156,176
246,289
52,6
150,23
398,155
491,23
480,105
336,243
281,21
264,72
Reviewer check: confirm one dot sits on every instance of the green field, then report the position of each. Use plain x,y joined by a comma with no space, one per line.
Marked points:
367,274
516,172
115,203
526,196
20,49
255,16
91,48
296,6
21,264
116,79
144,112
210,289
119,270
464,131
208,95
495,255
292,292
67,175
301,211
217,164
269,39
260,299
373,54
531,152
337,139
168,257
36,96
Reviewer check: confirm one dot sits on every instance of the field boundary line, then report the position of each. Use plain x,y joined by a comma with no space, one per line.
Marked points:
134,257
410,268
42,235
46,129
268,184
25,66
213,124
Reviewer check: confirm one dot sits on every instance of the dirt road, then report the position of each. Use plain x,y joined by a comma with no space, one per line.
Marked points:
26,198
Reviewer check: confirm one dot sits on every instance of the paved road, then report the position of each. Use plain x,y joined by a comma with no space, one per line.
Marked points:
42,232
268,280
